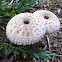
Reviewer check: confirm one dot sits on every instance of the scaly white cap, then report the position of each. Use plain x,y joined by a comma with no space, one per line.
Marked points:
25,29
50,20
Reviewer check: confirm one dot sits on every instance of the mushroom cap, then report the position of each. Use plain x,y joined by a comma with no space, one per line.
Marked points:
51,21
24,29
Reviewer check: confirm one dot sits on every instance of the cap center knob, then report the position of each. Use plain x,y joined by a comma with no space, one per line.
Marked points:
46,17
26,22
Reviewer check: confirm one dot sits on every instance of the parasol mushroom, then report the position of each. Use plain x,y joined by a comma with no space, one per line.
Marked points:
50,20
25,29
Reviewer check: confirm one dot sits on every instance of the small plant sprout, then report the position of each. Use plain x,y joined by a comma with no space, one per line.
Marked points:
16,1
10,3
25,29
51,21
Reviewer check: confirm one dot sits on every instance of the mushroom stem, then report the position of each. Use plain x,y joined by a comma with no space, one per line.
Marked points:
48,42
59,10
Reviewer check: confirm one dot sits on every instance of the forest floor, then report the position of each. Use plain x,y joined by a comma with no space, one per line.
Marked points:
55,38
